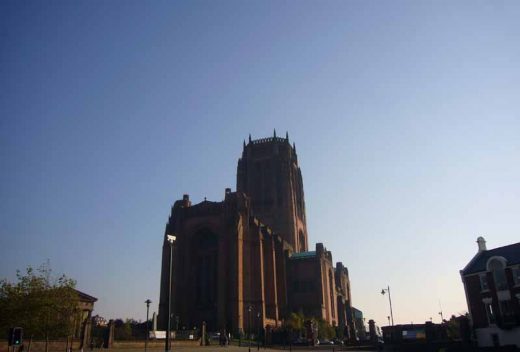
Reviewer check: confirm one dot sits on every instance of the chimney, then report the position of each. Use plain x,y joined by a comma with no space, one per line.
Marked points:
481,244
186,200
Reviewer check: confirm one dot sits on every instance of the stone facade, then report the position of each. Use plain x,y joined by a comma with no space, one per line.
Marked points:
311,283
83,324
225,261
344,302
268,173
243,264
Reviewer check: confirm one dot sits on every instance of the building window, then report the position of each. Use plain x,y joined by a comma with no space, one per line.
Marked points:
516,275
506,309
490,314
483,282
497,267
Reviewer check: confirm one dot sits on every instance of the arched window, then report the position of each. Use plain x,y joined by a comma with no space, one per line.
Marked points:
497,265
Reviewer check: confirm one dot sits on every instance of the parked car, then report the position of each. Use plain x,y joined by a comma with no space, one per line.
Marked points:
300,341
326,342
338,342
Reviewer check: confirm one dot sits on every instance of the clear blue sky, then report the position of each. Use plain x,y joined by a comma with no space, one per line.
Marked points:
405,114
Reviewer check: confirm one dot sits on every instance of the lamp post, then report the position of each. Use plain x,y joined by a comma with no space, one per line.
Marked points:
383,291
147,325
168,347
250,310
258,331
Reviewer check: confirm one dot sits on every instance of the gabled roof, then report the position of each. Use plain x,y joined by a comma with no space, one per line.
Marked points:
83,297
478,264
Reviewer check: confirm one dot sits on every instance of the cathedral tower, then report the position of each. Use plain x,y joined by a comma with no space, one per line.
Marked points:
268,173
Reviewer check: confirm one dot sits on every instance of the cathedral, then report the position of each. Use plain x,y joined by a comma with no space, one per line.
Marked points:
245,263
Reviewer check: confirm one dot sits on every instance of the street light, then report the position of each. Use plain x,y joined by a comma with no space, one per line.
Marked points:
258,331
440,313
147,326
383,291
250,310
171,239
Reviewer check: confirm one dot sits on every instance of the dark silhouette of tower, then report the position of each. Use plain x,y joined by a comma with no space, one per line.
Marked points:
268,173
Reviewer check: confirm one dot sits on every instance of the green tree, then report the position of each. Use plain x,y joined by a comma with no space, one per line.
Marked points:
325,331
455,327
123,329
296,322
43,305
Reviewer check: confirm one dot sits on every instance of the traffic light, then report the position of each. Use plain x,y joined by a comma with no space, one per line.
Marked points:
15,336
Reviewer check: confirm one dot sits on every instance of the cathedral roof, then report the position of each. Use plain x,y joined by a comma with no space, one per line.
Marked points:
303,255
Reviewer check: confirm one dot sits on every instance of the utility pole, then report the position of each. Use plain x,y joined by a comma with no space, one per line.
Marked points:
383,291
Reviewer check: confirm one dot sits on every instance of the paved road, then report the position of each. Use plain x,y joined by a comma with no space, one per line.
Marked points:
216,348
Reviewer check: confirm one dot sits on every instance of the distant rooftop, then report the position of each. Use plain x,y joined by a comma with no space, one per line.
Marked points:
478,264
303,255
84,297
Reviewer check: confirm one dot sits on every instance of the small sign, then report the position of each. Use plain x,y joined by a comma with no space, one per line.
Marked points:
159,335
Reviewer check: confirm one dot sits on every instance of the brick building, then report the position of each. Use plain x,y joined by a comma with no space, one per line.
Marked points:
344,302
492,285
311,284
243,263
